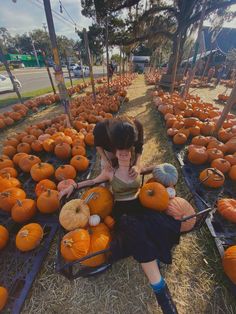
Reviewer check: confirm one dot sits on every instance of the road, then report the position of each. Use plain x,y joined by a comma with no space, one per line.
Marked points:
33,79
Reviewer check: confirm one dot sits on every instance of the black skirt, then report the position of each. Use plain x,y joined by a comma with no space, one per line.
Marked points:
143,233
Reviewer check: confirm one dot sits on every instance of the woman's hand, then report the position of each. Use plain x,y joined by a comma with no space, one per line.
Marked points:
134,172
68,191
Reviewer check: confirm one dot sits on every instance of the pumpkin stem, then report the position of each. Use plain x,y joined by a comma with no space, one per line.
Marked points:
68,242
48,192
24,233
150,192
19,203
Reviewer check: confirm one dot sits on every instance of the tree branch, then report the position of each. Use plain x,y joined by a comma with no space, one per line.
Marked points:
154,10
214,7
127,4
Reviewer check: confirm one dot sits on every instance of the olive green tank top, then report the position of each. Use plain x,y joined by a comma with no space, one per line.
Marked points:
122,190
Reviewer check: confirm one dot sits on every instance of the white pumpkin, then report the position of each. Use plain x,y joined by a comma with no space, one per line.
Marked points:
94,220
165,174
171,191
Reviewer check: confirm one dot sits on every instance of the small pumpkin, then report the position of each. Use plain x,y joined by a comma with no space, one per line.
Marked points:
43,186
165,174
198,156
78,150
3,297
227,208
9,197
179,208
94,220
74,214
100,239
212,177
109,222
221,164
179,139
23,210
65,172
214,153
229,263
62,151
8,182
231,159
9,151
80,163
41,171
154,195
4,237
17,157
29,237
23,148
101,202
75,245
8,171
89,139
27,162
48,202
5,163
64,184
232,173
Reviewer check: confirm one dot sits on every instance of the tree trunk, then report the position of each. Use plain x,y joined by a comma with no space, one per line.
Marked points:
172,58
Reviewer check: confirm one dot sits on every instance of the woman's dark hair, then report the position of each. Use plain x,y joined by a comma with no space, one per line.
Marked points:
123,133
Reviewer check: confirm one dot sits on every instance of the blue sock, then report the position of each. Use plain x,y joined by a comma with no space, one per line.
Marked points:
158,286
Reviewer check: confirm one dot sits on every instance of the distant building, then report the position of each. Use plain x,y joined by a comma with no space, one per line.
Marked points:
140,63
26,60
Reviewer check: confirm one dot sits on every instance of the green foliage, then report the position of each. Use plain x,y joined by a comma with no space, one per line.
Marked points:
116,58
231,56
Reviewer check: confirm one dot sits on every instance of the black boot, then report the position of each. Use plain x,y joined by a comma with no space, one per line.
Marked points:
165,301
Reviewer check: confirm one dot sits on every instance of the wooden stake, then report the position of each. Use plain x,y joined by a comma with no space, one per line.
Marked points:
68,70
107,54
90,63
48,70
230,103
172,88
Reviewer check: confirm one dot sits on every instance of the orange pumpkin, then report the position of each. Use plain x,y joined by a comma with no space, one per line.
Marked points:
198,155
109,222
48,202
23,210
229,263
65,172
3,297
214,153
43,186
154,195
80,163
75,245
221,164
231,159
17,157
41,171
199,140
23,148
5,163
37,146
4,237
8,171
180,139
9,151
89,139
227,208
29,237
212,177
78,150
9,197
62,151
101,202
8,182
49,145
232,173
27,162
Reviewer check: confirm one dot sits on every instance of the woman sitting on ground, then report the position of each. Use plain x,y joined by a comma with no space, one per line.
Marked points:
145,234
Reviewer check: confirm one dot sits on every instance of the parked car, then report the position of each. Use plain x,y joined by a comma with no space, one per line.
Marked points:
72,66
6,84
78,71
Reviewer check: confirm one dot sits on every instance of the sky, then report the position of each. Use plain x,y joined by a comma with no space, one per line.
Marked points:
26,15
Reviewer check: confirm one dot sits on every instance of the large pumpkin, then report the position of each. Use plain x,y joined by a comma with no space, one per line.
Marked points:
227,208
229,263
4,237
74,214
48,202
3,297
100,239
75,245
212,177
9,197
179,208
29,237
101,201
23,210
165,174
154,195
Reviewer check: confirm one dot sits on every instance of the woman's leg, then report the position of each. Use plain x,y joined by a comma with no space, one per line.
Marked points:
159,287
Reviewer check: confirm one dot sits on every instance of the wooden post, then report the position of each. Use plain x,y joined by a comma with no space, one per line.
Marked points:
175,66
64,97
90,63
107,54
48,70
231,101
82,66
68,70
120,62
192,73
10,75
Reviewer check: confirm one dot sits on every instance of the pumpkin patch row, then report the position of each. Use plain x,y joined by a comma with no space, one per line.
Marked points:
20,111
191,125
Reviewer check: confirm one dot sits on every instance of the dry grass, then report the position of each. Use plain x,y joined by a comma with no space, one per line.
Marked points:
195,277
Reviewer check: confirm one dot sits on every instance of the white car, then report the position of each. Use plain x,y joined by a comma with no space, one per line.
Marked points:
6,84
78,71
72,66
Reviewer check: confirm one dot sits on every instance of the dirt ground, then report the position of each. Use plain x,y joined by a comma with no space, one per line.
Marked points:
195,277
